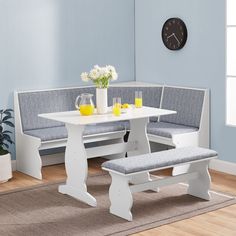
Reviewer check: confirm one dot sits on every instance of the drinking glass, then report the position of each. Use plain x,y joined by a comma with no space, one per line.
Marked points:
138,99
116,106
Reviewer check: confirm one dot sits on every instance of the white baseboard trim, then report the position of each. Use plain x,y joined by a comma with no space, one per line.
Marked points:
223,166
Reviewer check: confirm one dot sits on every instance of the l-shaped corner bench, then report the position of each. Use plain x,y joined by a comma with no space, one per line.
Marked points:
189,127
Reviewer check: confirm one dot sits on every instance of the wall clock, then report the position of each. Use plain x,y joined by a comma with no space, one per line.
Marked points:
174,34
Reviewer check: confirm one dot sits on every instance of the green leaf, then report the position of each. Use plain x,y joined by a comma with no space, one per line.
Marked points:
6,145
8,123
6,136
7,113
9,141
6,132
7,110
7,117
3,151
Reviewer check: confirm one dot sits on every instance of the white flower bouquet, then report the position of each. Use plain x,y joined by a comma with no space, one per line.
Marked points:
100,76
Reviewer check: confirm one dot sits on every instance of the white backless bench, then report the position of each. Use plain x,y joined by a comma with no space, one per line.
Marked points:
122,171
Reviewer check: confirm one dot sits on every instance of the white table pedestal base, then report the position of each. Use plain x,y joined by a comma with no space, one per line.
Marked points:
80,195
138,134
76,166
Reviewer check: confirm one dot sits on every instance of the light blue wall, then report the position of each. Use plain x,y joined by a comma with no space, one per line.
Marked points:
48,43
201,63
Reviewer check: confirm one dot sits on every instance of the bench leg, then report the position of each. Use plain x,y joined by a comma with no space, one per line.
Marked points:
120,197
200,187
178,170
28,159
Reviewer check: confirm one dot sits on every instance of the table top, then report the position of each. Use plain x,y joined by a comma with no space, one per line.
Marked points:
74,117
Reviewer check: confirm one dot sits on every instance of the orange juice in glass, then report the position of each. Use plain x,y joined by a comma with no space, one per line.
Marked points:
138,99
116,109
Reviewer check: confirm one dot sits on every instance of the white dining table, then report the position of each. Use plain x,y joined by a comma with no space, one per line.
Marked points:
76,155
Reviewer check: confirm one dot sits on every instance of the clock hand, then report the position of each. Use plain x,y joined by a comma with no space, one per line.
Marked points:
176,38
170,36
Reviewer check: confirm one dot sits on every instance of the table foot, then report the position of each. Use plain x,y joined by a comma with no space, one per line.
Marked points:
77,194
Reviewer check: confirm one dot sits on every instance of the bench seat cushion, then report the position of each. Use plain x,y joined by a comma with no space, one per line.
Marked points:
60,132
157,160
167,130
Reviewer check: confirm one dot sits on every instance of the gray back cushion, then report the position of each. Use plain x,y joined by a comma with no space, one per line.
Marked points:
33,103
151,95
187,102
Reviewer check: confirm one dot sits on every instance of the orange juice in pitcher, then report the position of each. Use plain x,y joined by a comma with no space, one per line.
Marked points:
84,104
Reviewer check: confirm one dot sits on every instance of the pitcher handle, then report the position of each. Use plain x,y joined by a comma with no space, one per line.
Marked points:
77,102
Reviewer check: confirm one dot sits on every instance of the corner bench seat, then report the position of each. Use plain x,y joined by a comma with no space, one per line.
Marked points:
60,132
163,129
189,127
166,129
157,160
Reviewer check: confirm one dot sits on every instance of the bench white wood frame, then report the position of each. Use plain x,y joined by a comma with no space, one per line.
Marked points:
28,148
200,138
120,192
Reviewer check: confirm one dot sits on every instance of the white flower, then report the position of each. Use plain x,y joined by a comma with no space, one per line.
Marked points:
114,76
84,77
97,67
94,74
112,70
104,72
100,75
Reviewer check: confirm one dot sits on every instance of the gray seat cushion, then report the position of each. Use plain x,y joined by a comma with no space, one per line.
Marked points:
188,104
167,130
60,132
158,160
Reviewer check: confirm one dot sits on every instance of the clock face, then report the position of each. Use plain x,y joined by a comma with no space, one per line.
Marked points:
174,34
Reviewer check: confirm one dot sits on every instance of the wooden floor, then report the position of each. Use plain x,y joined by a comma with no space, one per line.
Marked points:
221,222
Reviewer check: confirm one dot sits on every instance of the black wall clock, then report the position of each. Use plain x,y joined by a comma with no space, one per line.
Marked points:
174,34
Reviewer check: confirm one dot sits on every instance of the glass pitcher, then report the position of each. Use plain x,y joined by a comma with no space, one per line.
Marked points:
84,104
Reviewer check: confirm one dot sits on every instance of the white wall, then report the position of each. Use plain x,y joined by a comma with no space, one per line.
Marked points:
48,43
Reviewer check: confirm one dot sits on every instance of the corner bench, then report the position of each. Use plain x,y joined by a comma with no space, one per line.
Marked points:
35,135
123,170
190,125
